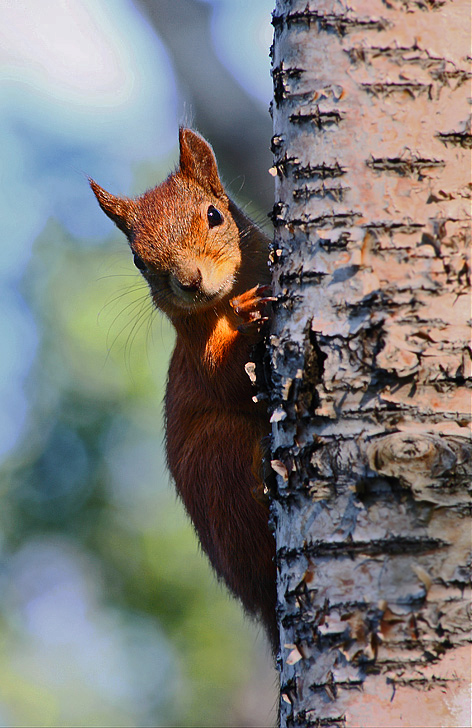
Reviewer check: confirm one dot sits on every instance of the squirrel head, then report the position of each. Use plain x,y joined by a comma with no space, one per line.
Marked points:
182,234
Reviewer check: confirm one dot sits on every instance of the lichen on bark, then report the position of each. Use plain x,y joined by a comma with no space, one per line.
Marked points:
371,361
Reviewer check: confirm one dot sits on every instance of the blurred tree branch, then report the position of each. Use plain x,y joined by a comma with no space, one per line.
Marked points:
236,125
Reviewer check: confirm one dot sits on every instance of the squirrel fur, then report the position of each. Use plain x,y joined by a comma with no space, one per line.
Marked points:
206,266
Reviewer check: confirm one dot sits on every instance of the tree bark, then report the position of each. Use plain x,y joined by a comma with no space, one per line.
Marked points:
371,361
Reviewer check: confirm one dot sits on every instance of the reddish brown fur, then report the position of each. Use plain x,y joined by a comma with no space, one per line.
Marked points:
214,429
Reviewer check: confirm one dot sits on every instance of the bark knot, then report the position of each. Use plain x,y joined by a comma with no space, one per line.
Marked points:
420,460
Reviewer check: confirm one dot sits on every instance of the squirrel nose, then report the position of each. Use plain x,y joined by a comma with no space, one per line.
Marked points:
190,283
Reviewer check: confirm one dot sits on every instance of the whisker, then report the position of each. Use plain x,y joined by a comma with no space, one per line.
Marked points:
121,294
117,275
133,305
134,331
149,331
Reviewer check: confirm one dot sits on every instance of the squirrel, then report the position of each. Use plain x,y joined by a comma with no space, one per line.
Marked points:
206,266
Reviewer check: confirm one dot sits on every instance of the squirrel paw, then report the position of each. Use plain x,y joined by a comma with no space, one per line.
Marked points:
250,306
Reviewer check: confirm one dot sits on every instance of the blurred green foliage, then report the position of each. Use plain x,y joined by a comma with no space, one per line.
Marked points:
109,613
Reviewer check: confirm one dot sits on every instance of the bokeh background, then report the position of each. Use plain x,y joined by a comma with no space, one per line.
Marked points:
109,614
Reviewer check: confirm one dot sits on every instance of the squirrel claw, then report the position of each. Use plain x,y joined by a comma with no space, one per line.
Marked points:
262,288
250,307
253,326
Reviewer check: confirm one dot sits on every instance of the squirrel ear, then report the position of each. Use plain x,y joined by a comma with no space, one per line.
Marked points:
119,209
198,162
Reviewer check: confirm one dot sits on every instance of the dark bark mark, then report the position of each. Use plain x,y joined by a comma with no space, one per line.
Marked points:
456,138
407,228
341,24
398,545
420,682
443,72
339,243
404,166
320,119
331,688
384,90
276,143
308,719
278,214
298,396
439,68
281,76
327,221
336,193
444,76
299,275
307,397
401,55
321,171
291,165
285,165
410,6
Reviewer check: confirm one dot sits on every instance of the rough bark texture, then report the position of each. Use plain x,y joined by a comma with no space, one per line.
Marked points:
371,361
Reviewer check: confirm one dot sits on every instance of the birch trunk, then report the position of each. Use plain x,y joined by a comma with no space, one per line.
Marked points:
371,361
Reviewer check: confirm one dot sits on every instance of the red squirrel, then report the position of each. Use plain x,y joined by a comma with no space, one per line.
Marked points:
206,266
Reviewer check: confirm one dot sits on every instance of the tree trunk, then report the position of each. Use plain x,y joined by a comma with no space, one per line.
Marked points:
371,361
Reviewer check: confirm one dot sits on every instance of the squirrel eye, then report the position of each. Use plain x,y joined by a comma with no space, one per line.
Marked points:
214,216
139,262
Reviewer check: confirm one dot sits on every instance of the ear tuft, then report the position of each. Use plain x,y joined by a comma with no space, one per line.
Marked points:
119,209
197,162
